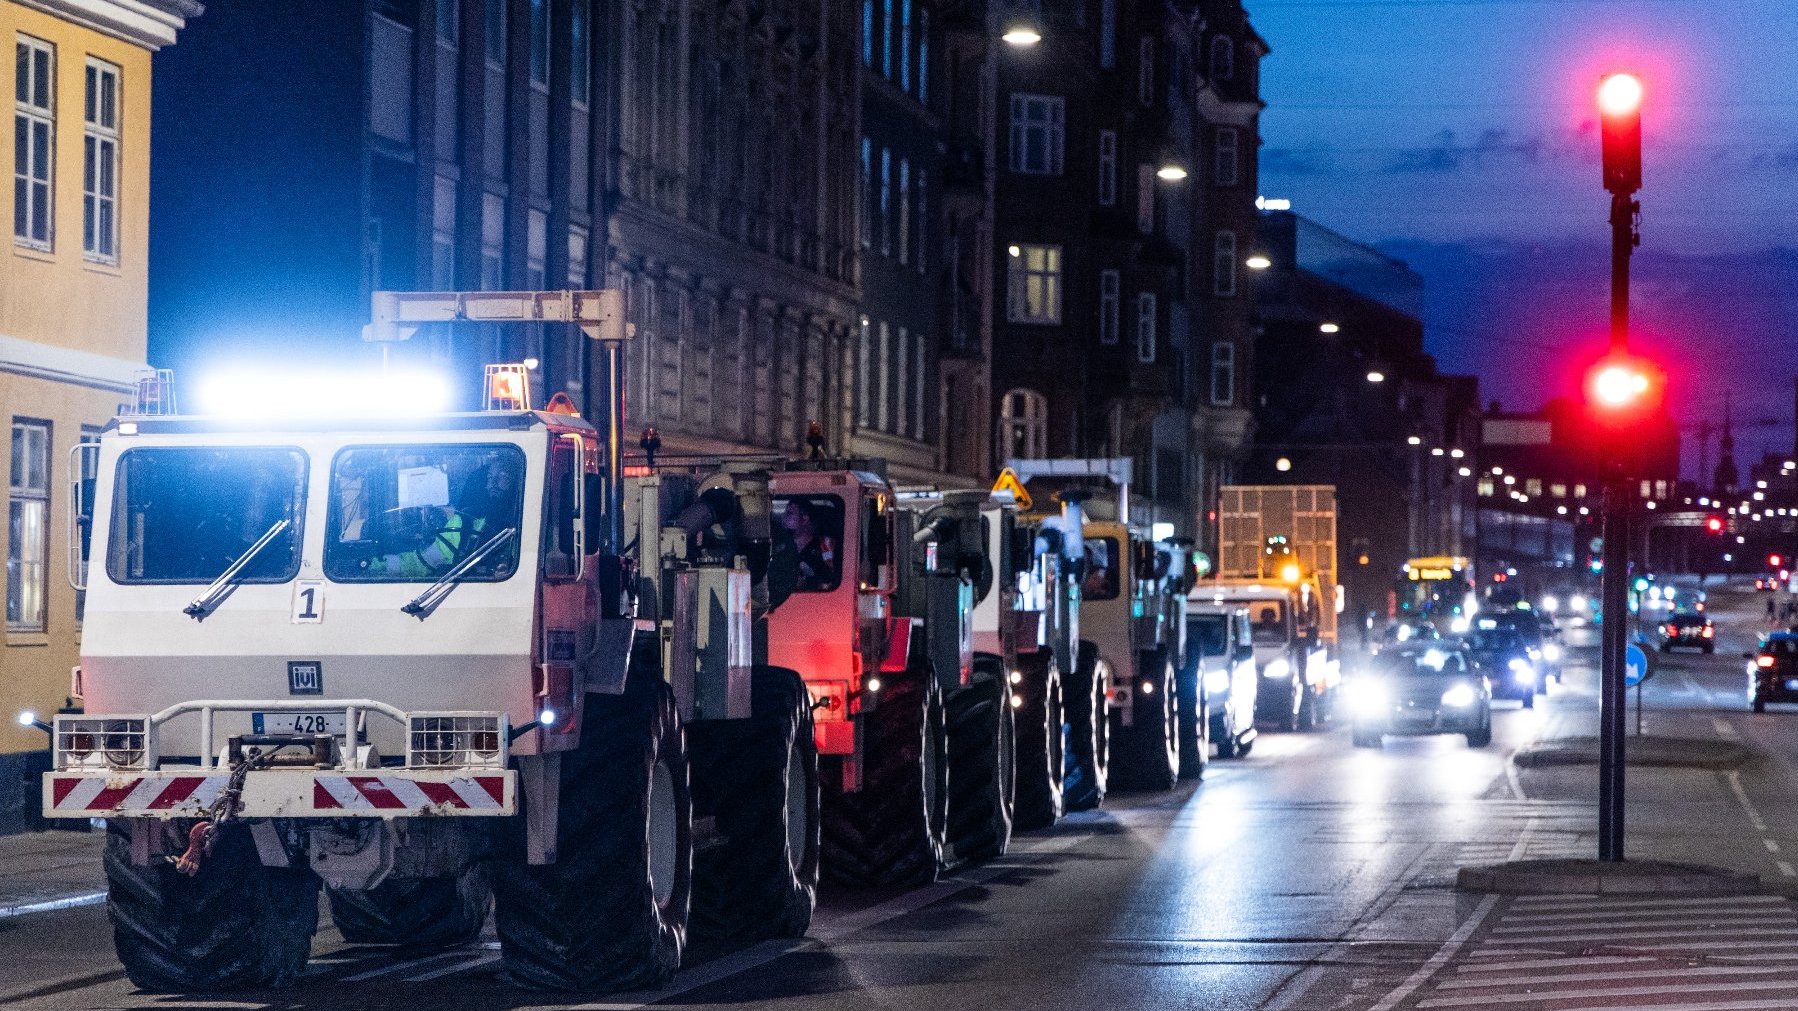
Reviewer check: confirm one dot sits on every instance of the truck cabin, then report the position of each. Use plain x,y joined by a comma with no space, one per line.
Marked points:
441,562
833,629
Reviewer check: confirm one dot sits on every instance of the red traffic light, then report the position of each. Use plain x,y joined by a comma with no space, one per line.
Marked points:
1773,561
1623,389
1620,113
1714,524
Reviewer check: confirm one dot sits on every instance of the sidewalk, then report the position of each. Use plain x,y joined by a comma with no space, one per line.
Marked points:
40,871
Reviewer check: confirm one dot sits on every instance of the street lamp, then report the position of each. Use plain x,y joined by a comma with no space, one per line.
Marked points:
1258,262
1022,35
1328,328
1170,173
1376,376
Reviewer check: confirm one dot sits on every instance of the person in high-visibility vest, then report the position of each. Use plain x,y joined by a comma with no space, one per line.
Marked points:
449,545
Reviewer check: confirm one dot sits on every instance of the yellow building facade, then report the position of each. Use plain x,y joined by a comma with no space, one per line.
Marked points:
74,288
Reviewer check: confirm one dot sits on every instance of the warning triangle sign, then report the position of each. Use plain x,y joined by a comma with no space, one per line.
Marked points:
1008,483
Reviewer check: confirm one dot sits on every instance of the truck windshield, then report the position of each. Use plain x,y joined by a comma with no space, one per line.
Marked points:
815,524
1269,621
1209,632
184,514
409,514
1101,582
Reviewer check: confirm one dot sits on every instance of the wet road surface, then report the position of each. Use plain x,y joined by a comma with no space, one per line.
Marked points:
1309,875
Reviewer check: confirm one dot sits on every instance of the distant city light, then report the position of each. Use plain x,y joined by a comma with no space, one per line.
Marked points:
1173,174
1022,36
1273,204
1376,376
1457,453
1258,262
1415,440
1328,328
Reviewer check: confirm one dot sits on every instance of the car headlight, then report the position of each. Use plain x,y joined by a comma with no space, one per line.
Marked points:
1520,668
1552,651
1460,624
1276,670
1459,697
1368,698
1217,682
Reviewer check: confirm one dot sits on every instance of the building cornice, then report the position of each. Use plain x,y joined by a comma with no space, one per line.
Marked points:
1229,112
151,24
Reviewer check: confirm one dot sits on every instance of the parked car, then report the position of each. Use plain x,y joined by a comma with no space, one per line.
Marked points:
1421,688
1508,662
1773,671
1218,641
1688,630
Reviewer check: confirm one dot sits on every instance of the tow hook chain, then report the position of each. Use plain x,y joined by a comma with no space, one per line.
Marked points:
230,800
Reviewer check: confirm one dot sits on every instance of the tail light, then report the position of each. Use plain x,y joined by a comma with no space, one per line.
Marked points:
1763,662
1709,631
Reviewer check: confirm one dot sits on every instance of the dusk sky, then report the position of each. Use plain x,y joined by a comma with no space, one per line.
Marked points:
1461,136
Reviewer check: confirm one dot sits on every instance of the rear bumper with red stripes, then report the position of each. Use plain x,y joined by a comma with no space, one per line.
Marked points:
282,793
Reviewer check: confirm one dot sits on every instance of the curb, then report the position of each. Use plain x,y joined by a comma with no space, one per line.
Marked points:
1647,752
1593,877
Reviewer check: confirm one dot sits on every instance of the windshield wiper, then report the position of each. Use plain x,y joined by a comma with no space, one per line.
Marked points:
426,602
205,602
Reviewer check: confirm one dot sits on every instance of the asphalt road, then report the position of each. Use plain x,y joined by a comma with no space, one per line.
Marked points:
1308,875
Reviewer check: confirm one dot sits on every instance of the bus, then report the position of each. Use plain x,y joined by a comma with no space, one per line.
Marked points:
1438,588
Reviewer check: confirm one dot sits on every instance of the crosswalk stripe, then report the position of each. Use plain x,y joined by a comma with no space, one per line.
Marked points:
1539,947
1639,971
1644,914
1647,923
1774,1004
1696,930
1664,990
1549,903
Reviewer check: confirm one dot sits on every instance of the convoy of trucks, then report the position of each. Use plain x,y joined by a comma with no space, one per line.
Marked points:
436,663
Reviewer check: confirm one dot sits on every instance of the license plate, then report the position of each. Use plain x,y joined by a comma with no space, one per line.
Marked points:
297,723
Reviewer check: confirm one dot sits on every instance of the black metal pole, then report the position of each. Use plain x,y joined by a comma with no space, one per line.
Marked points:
1614,595
1614,582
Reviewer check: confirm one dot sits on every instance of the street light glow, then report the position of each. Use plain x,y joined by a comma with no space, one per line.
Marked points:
1376,376
1022,36
1172,173
1282,464
1328,328
1620,94
1258,262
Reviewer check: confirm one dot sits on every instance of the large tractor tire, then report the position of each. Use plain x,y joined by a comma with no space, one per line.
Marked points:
236,925
611,912
1087,755
757,779
982,742
889,834
436,912
1194,721
1146,755
1040,747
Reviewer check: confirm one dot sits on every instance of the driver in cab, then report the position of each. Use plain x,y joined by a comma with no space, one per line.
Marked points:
447,534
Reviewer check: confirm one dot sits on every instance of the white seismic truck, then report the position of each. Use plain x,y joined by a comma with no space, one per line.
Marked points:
416,658
1277,557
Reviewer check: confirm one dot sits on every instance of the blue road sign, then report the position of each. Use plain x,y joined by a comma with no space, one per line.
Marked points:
1635,665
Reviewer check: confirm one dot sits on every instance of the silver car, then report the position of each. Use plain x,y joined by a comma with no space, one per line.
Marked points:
1420,688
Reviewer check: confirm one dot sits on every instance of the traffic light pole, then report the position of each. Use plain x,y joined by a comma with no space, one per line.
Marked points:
1614,581
1614,599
